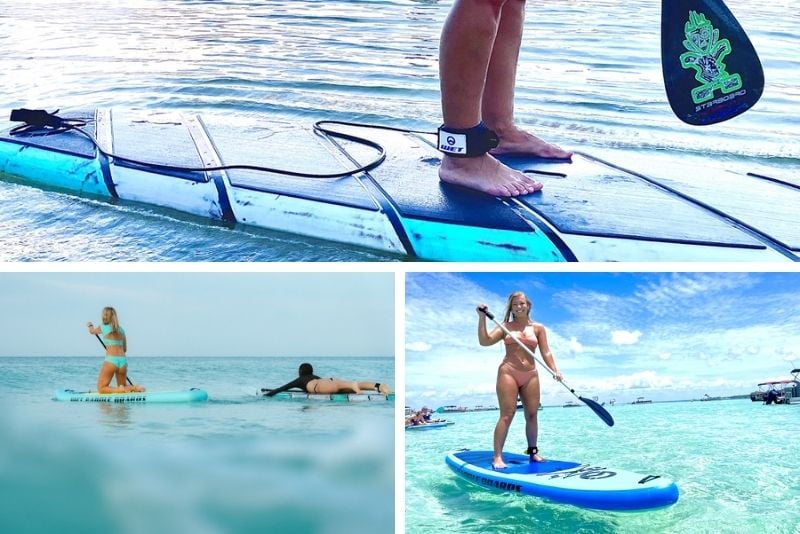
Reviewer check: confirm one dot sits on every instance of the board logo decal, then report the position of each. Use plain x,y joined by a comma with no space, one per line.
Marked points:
586,472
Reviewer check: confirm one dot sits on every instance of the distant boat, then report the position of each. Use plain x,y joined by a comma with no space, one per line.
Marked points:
642,400
451,408
709,398
780,391
571,404
612,402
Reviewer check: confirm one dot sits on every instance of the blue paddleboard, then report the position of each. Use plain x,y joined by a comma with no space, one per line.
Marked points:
428,426
146,397
584,485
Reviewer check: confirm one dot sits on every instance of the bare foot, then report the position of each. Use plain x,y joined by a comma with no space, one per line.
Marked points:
498,463
516,141
383,388
486,174
537,458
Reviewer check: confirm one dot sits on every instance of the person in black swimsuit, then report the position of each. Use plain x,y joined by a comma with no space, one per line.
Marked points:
311,383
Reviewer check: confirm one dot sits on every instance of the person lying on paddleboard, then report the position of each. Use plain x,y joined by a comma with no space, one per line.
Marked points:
422,417
311,383
517,374
478,56
415,419
116,363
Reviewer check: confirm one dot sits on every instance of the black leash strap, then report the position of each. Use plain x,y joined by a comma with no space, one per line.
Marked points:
41,122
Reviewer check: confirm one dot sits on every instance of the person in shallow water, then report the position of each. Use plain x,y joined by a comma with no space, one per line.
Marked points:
116,363
478,57
517,375
311,383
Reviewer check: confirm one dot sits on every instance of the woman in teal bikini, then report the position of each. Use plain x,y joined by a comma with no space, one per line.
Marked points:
517,375
116,363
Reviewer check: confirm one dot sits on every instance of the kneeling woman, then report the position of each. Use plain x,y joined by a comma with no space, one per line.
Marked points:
311,383
115,364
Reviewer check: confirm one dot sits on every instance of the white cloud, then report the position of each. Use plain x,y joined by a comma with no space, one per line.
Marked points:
642,380
664,356
575,345
418,346
624,337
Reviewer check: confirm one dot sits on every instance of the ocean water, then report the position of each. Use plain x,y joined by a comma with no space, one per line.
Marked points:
589,79
736,464
237,463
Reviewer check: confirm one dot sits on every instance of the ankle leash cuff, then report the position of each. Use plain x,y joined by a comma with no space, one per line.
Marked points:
467,142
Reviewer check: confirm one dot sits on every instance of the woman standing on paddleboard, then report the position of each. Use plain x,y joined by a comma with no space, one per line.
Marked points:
116,363
517,375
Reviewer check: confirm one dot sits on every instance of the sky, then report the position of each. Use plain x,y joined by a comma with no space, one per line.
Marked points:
662,336
201,314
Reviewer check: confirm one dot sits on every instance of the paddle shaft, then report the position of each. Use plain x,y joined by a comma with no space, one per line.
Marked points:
104,346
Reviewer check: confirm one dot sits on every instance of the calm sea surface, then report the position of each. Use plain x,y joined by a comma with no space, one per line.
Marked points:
237,463
589,79
736,464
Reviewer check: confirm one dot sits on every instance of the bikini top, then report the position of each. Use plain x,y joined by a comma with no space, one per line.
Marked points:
106,330
527,339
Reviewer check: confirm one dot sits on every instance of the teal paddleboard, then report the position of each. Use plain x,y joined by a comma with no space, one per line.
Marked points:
146,397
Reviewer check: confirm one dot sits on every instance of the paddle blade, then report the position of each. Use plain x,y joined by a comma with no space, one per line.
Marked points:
711,70
601,412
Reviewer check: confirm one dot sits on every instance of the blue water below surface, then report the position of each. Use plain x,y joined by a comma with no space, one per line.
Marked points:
237,463
736,464
589,79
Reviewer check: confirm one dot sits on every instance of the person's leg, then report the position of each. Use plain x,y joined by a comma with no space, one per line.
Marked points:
507,400
465,50
122,381
377,386
334,385
107,372
530,394
122,377
498,94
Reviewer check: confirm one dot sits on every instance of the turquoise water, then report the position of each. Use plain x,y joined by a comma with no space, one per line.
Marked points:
237,463
589,78
736,464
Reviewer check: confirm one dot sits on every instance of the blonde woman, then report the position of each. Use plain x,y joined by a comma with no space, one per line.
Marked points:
116,363
517,376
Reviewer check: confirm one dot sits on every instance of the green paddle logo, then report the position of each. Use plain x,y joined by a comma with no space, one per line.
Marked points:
705,54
